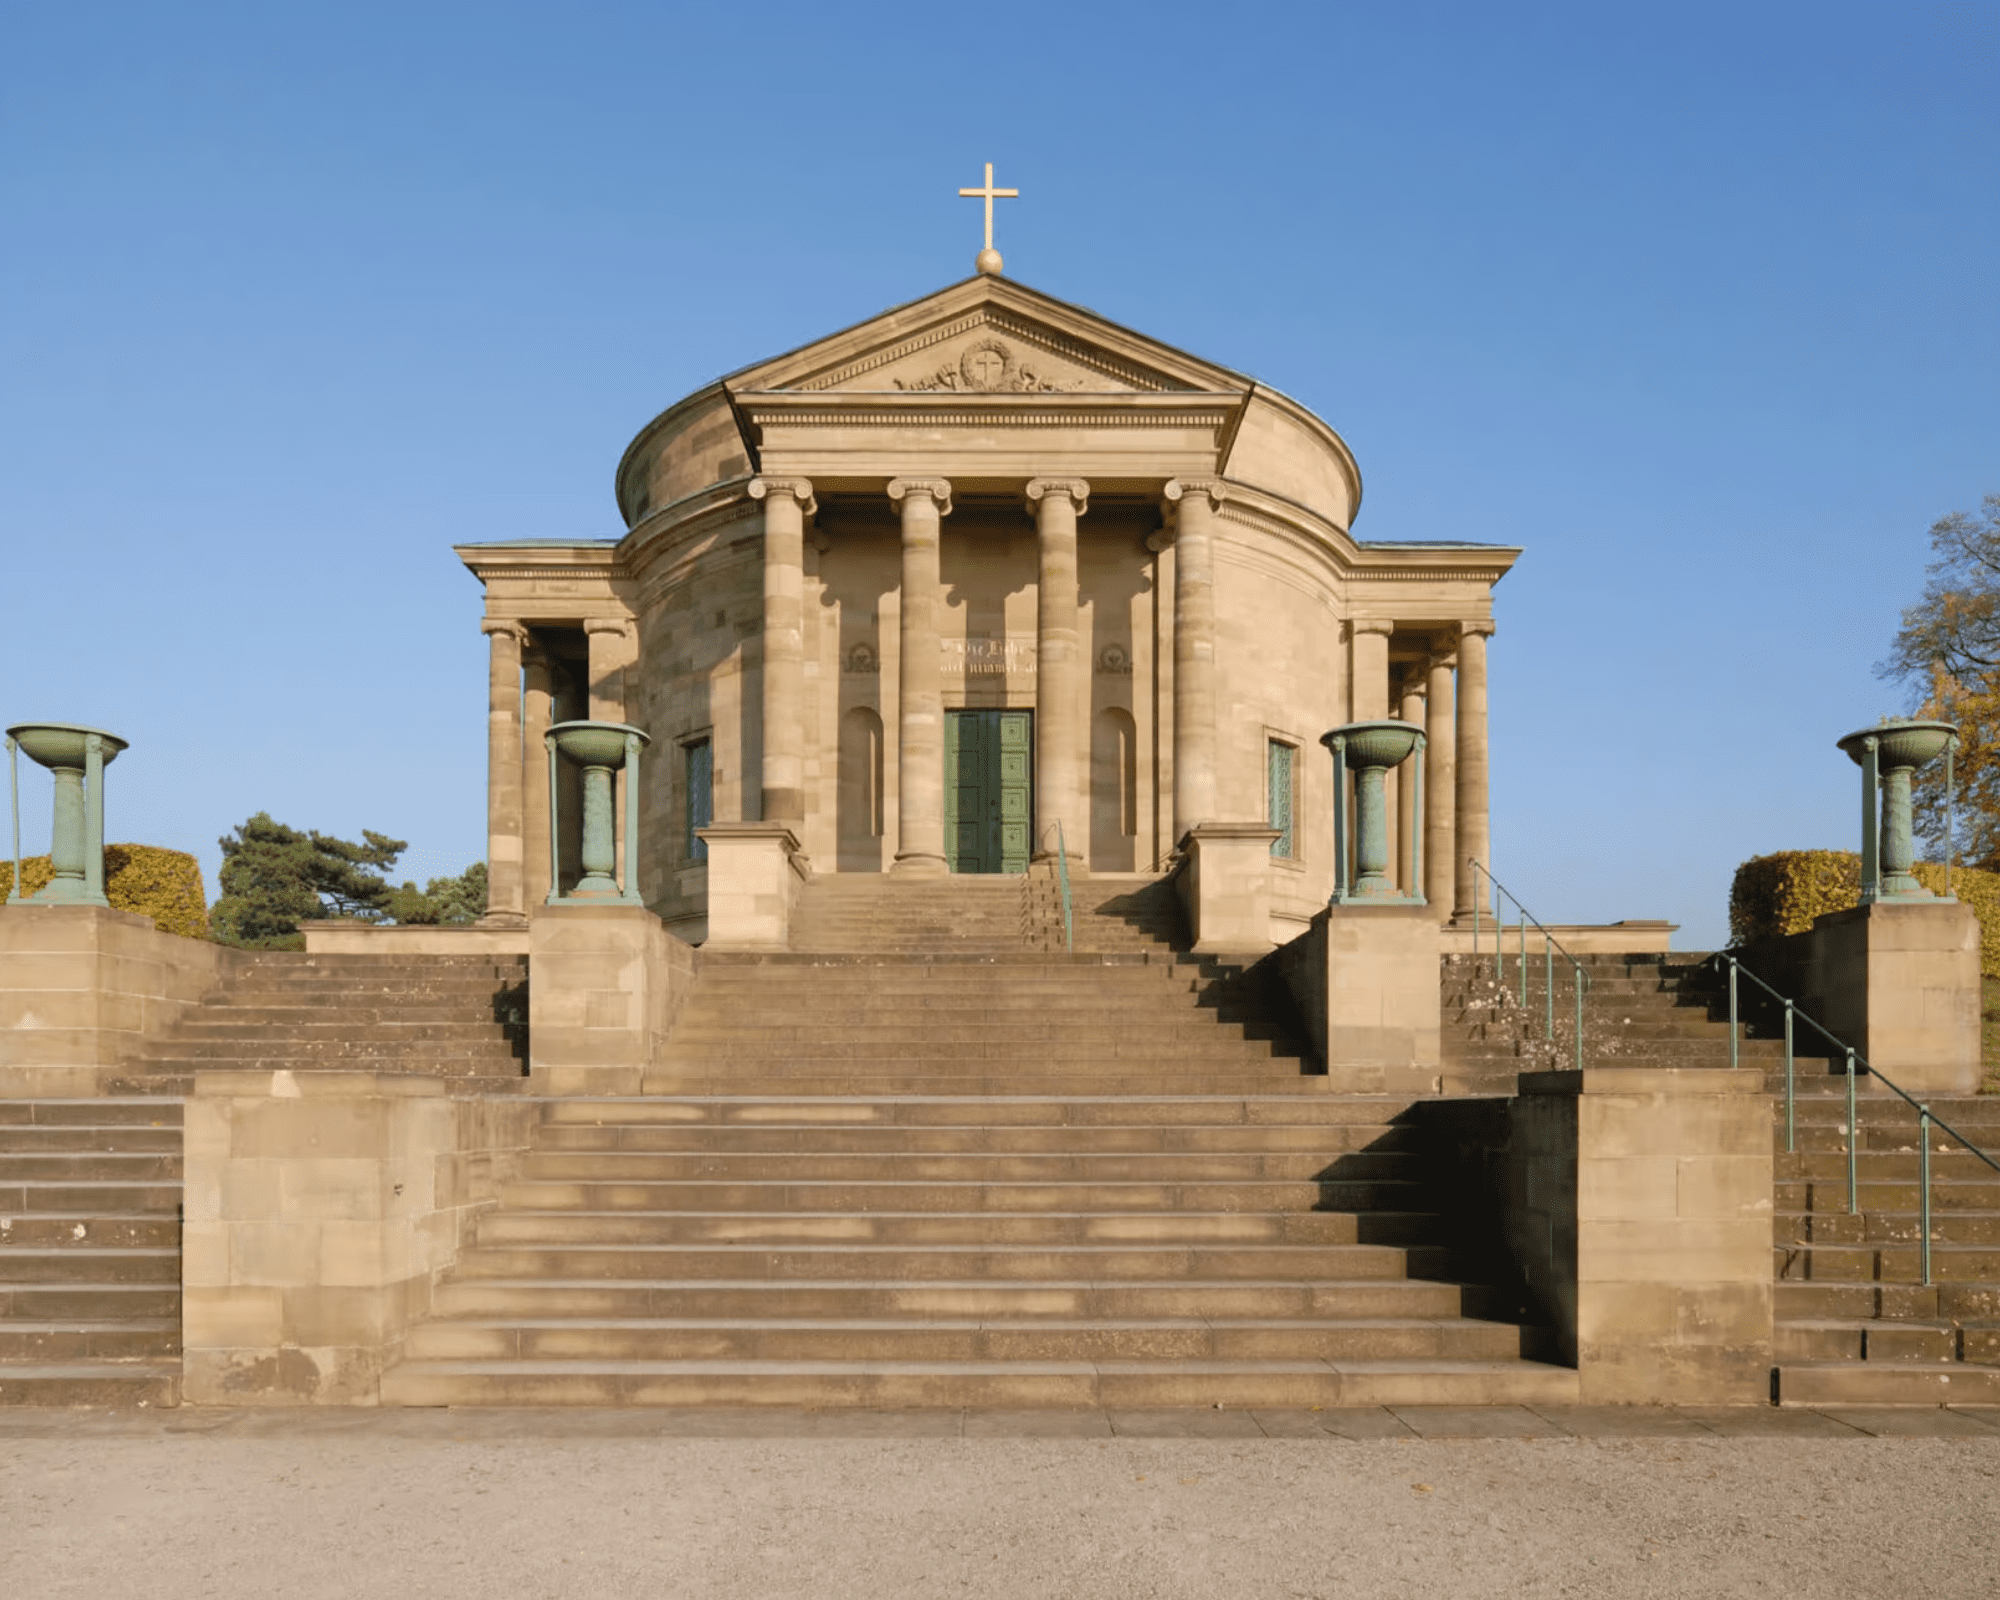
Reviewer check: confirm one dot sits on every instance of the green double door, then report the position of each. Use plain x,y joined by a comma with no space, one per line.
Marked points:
989,808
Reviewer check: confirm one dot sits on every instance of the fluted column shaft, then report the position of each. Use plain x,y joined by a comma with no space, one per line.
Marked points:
1059,759
920,700
1194,652
1440,787
503,773
787,503
537,703
1368,685
1409,708
1474,838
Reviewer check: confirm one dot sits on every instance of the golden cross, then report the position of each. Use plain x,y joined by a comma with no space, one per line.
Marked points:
989,194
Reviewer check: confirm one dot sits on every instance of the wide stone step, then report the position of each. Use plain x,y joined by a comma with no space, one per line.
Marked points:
991,1384
88,1302
820,1339
87,1166
1796,1301
1865,1340
335,1024
73,1138
928,1263
1823,1196
988,1229
768,1299
979,1111
1882,1166
1887,1383
29,1265
91,1383
86,1230
967,1167
161,1197
1032,1139
700,1194
1950,1263
1886,1227
810,1056
92,1113
262,1044
683,1079
141,1338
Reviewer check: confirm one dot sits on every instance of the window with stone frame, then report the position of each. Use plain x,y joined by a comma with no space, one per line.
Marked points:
698,787
1280,788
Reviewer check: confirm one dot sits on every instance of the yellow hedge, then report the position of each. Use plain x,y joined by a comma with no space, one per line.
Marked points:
1781,894
162,884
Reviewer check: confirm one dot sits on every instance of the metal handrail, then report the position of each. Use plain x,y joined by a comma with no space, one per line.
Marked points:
1551,948
1856,1064
1062,877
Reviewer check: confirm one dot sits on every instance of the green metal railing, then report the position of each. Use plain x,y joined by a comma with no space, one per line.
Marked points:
1551,948
1856,1065
1062,879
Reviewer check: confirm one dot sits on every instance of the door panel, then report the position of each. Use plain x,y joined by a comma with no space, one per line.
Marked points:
989,790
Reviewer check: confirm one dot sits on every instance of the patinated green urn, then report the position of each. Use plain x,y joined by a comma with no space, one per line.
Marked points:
1370,750
1898,749
599,748
77,756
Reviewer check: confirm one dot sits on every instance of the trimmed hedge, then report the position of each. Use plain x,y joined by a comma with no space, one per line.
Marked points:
162,884
1781,894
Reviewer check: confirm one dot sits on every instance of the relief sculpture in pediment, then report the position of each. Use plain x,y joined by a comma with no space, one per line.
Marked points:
989,366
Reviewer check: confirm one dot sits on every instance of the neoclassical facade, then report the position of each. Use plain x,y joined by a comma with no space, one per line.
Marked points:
984,577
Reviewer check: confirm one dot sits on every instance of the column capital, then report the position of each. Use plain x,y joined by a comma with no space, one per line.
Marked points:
1178,489
1482,626
800,489
1076,489
1360,625
622,626
491,626
937,490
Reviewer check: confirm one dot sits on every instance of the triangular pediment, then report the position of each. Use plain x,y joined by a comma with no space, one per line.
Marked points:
988,336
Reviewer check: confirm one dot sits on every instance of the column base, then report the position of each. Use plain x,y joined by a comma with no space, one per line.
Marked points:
512,921
915,865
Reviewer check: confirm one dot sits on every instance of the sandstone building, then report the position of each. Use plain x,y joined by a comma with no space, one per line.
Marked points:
981,573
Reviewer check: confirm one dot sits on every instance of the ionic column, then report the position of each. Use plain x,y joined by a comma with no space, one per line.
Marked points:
1440,788
1059,758
920,701
1194,652
787,503
504,904
1368,683
1409,708
538,713
1473,840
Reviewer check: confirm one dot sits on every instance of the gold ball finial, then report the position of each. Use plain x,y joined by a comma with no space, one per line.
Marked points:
988,262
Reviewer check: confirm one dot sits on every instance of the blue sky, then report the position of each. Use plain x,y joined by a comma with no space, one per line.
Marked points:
1698,303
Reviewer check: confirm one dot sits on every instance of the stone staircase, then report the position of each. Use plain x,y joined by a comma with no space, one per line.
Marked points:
448,1016
90,1252
956,1167
1856,1323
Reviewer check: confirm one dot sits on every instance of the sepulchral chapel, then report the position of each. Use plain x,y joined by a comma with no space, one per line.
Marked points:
980,579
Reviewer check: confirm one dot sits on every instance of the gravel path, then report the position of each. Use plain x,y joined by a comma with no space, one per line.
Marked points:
1290,1505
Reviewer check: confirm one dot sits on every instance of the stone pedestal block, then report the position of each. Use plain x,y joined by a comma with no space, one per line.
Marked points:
604,984
1224,883
321,1210
82,987
755,871
1899,980
1638,1206
1366,979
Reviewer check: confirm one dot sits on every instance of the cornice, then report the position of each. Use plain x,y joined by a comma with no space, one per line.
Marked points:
935,409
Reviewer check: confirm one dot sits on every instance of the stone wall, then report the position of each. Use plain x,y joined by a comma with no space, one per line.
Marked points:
82,988
1635,1204
321,1210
